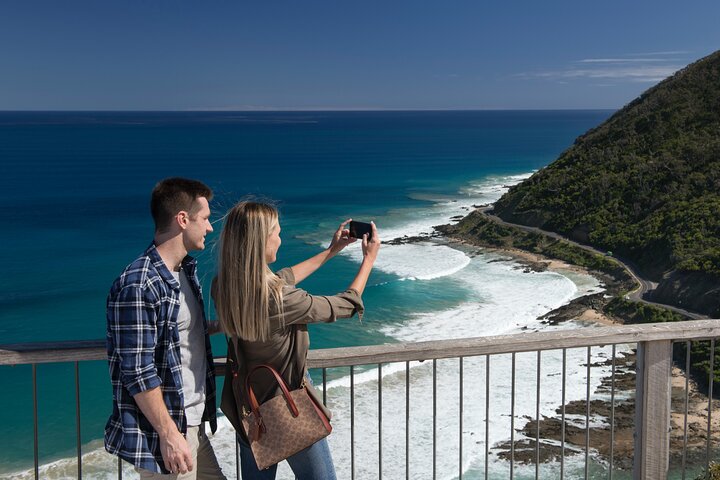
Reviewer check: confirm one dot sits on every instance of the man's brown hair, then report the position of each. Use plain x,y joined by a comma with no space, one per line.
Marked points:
173,195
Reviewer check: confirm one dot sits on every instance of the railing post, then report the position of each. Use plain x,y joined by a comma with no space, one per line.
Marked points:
652,410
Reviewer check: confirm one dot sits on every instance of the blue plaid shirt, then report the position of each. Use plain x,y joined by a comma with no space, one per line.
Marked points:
143,348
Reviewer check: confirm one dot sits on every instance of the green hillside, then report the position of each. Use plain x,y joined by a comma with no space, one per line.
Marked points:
646,185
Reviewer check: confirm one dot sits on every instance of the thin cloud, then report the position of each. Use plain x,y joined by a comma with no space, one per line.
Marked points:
671,52
621,60
623,68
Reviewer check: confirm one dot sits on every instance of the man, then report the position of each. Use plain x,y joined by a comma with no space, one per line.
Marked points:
158,346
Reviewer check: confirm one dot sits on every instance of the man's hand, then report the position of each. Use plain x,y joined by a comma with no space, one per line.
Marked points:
173,446
176,453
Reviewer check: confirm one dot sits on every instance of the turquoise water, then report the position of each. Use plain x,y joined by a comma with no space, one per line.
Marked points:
75,187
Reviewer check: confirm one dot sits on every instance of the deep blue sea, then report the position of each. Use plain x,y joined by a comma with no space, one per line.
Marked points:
75,192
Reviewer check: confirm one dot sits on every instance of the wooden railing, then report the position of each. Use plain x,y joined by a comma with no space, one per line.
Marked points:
654,353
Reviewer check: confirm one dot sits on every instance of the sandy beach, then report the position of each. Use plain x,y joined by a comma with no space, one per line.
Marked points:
538,262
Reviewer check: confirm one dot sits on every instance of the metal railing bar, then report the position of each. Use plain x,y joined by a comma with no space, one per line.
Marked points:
460,412
587,418
237,458
324,374
562,418
512,419
434,434
352,422
710,397
77,419
612,411
379,420
688,348
487,414
407,420
35,421
120,468
537,418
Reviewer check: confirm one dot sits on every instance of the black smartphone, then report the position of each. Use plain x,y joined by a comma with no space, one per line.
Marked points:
358,229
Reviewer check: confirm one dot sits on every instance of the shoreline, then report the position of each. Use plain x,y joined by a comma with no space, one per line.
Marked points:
588,309
539,263
589,314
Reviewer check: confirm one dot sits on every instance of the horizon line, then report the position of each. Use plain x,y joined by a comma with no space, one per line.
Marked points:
309,110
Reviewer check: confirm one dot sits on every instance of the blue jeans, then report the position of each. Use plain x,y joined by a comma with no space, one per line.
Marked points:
313,463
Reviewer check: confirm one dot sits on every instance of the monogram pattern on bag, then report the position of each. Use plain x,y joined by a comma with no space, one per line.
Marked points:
284,434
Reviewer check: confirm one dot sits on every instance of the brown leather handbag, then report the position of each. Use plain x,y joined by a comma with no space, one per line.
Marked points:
283,425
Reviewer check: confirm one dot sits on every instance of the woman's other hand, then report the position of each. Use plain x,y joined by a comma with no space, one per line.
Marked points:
370,247
341,238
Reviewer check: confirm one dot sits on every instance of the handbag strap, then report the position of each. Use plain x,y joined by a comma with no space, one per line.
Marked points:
254,406
231,363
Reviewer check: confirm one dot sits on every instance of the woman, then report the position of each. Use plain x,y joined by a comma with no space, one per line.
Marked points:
267,315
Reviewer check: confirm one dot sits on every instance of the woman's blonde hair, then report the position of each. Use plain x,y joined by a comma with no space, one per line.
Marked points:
245,283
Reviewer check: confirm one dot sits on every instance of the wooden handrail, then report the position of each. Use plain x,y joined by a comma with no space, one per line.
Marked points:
49,352
514,343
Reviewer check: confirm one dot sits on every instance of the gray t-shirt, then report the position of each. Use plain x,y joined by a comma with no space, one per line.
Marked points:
192,351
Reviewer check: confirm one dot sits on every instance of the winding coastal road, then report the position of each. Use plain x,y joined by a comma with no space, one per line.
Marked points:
644,285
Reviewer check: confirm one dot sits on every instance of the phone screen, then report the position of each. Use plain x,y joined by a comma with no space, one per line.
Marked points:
358,229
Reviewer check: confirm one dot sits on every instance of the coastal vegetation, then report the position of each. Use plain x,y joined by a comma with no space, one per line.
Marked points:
478,229
712,473
637,312
645,185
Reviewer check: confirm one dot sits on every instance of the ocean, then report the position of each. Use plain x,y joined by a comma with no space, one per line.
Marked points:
76,186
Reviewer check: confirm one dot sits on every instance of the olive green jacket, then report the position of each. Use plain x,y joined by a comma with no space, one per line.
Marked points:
286,349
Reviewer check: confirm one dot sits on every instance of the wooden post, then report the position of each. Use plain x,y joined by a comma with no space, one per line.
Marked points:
652,410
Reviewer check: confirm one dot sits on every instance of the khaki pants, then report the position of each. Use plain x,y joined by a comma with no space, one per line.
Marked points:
205,465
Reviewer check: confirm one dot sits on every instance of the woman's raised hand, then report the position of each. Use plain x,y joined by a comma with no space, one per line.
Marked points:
341,238
370,247
370,250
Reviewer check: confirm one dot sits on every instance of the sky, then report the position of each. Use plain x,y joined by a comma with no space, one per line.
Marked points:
340,55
